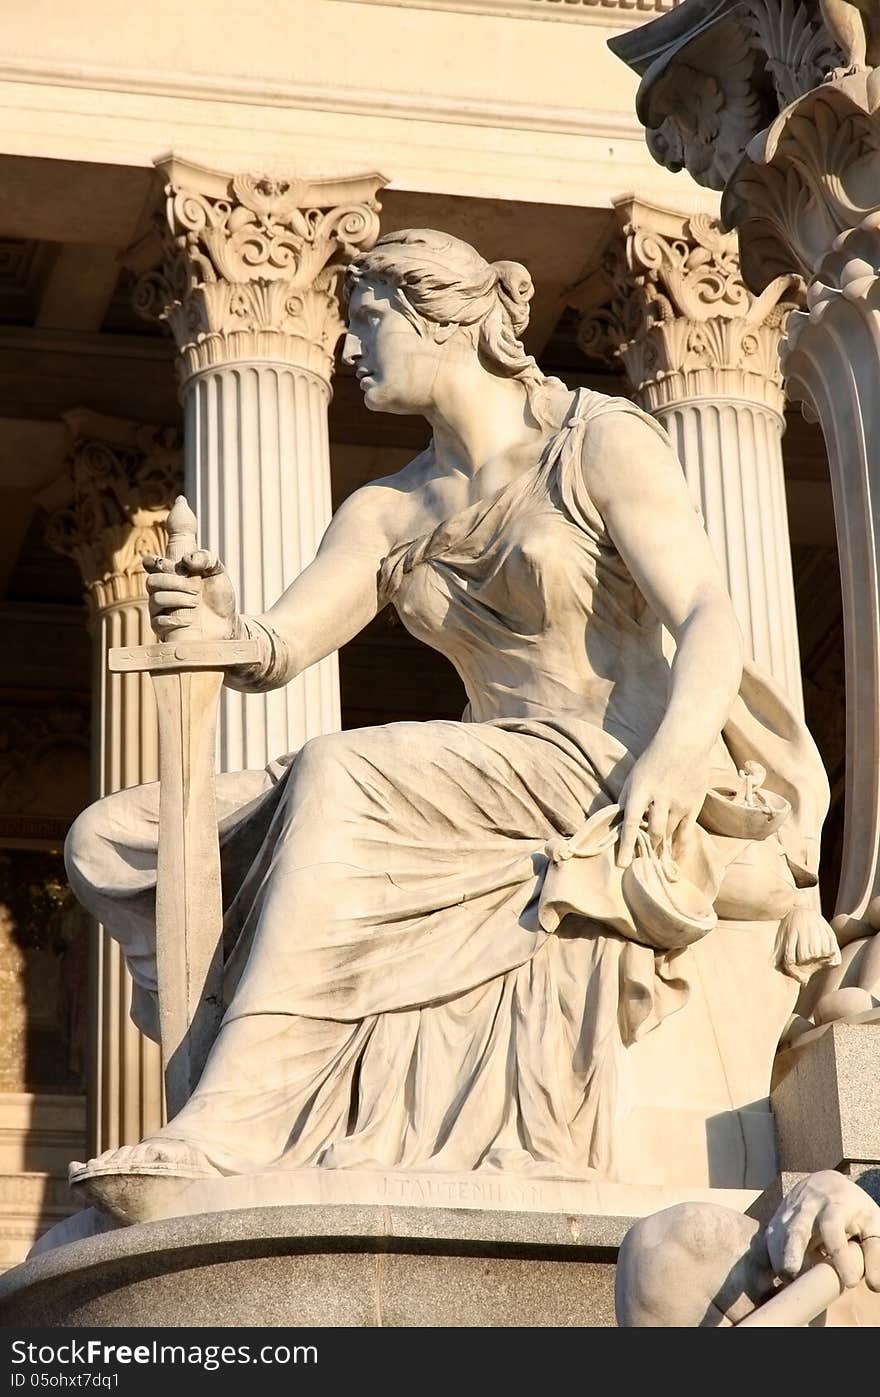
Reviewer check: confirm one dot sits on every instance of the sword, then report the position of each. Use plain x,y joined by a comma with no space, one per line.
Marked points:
187,677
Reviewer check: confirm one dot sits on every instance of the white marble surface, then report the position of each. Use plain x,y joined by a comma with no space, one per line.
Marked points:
522,941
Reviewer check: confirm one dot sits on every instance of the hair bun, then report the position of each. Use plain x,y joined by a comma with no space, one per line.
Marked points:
516,289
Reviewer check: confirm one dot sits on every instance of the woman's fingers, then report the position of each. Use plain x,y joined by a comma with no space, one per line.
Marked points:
834,1234
153,563
201,563
789,1234
173,601
658,821
162,581
638,807
164,626
682,829
871,1251
633,811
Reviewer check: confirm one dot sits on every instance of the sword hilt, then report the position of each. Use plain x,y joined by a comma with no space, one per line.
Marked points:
186,651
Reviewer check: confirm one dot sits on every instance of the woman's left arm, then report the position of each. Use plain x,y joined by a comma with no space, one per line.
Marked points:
638,485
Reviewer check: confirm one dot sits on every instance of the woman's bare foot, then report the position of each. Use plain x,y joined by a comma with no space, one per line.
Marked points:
136,1182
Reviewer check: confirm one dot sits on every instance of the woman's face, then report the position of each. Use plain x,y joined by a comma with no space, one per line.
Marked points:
396,364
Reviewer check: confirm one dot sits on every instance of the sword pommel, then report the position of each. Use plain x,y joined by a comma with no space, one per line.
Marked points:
182,530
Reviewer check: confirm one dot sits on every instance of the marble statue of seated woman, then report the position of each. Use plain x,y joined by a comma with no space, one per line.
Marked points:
447,943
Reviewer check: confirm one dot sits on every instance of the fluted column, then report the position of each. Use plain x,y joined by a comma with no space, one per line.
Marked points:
248,286
702,355
120,481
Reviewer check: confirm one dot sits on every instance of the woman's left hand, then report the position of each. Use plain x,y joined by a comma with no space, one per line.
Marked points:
666,789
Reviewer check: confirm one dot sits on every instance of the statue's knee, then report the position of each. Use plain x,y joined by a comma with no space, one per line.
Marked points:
87,839
674,1267
84,835
324,763
652,1256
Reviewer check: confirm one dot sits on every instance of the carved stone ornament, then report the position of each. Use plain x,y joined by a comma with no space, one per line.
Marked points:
677,313
806,191
44,760
121,481
807,195
249,265
715,72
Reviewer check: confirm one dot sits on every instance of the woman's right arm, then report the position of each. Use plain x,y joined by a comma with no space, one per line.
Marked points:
326,606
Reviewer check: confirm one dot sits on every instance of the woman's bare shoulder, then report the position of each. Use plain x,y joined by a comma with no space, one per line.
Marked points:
622,445
389,504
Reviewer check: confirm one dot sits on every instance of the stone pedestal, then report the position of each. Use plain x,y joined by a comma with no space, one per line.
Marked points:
121,480
247,283
702,355
327,1267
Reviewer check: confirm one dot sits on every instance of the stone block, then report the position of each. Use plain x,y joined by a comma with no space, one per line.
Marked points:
827,1107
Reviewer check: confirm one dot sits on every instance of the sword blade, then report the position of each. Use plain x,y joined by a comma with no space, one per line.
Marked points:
189,914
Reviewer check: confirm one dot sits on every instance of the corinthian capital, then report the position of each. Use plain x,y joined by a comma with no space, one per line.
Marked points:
248,265
110,506
670,302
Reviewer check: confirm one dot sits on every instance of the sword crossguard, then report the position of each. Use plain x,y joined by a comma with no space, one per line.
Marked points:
181,655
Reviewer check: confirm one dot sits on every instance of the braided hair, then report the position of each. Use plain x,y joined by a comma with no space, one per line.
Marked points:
442,280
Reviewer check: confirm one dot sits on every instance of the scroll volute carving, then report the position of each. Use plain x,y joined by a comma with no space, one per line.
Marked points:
248,265
676,312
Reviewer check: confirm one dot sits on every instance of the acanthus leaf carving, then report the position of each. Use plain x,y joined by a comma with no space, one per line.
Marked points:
119,495
811,179
679,316
709,87
798,52
30,743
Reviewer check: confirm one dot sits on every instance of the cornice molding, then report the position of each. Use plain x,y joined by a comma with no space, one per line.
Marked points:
340,99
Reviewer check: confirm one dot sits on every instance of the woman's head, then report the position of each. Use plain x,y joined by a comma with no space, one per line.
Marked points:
419,297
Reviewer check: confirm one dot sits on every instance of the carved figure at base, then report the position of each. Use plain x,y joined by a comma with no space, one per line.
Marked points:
442,940
701,1266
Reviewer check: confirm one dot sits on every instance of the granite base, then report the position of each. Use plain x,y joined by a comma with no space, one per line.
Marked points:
327,1266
